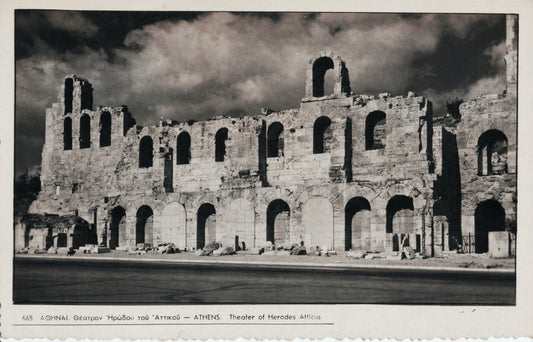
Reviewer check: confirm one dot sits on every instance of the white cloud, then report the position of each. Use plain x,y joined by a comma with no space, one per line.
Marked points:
224,61
71,21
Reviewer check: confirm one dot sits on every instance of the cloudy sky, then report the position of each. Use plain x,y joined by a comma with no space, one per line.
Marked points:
195,65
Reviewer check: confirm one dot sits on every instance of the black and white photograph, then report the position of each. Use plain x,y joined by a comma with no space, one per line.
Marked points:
210,159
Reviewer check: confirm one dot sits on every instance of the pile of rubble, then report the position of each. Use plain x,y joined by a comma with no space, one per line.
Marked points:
215,249
269,249
406,253
147,248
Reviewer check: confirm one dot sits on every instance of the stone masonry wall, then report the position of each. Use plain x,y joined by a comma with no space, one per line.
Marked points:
328,184
92,181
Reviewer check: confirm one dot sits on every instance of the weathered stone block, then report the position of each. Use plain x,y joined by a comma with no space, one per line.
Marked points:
499,244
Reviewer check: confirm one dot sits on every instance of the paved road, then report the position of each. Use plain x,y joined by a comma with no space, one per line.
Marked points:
97,281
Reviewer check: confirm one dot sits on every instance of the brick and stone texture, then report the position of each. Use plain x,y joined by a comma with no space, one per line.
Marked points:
341,171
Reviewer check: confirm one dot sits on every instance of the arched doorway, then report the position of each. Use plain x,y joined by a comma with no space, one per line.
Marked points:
400,215
117,227
489,217
278,222
401,221
144,228
357,224
206,225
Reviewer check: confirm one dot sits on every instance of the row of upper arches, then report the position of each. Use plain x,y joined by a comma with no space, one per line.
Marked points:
322,136
322,140
85,131
492,144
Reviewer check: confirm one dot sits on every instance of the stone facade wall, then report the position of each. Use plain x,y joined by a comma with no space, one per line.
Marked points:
418,184
92,181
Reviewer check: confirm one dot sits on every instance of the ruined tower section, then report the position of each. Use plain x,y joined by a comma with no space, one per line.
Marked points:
487,143
75,95
80,151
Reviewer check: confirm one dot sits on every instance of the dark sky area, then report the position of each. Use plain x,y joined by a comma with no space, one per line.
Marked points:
196,65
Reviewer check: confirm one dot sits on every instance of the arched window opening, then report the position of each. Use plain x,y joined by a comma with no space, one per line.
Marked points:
275,140
492,153
144,228
85,131
67,134
400,215
206,225
320,67
375,130
146,152
183,148
105,129
489,217
357,221
69,88
278,222
322,135
118,227
220,144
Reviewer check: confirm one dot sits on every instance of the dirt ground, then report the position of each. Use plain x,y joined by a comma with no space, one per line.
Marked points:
451,260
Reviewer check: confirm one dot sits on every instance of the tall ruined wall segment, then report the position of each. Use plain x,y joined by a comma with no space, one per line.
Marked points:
477,162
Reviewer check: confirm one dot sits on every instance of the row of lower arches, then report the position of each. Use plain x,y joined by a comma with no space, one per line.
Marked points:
317,220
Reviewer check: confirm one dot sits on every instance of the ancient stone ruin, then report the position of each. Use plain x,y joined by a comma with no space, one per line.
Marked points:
343,171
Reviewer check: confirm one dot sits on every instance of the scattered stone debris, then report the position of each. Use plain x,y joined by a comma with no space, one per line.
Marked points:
356,254
167,248
299,250
409,253
314,251
256,251
210,248
372,256
223,251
